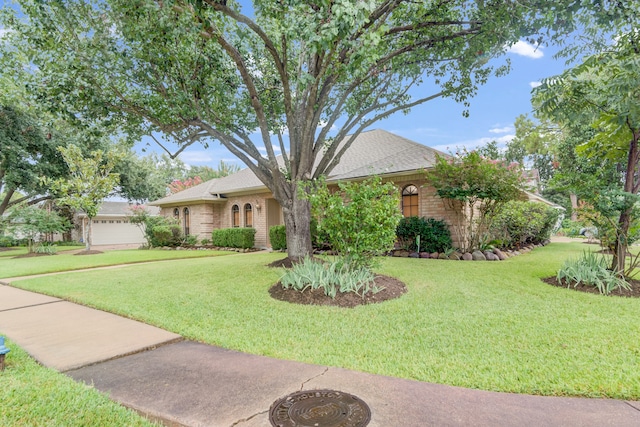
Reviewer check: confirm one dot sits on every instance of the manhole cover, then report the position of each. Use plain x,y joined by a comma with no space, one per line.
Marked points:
319,408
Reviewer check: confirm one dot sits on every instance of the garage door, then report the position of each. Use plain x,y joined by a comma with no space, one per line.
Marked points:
115,232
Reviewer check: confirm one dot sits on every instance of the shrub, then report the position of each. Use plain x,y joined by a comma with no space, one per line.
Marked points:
434,234
163,231
45,249
359,221
278,237
7,242
591,270
243,238
205,242
518,223
191,240
331,277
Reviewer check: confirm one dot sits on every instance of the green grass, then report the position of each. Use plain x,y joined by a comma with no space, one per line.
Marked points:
32,395
64,261
485,325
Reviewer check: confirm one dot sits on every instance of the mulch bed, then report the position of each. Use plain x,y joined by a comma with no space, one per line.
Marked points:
3,249
392,288
633,293
86,252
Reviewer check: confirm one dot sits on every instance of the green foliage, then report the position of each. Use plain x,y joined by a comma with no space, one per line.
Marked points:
162,231
190,240
278,237
331,277
45,249
7,242
25,155
243,238
571,228
517,223
359,220
474,188
434,234
33,222
591,270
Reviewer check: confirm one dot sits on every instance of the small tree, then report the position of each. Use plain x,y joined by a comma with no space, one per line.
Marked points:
32,222
473,187
90,181
359,220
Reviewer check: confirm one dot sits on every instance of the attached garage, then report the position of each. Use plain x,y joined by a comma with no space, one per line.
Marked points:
111,226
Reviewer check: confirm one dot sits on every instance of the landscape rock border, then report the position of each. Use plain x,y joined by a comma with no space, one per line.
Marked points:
477,255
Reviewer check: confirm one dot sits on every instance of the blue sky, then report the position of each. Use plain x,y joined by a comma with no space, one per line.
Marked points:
440,124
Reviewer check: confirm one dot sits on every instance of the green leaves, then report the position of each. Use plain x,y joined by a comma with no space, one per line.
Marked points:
91,179
359,220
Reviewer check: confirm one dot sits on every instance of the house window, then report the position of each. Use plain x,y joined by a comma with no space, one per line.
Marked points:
186,221
176,213
410,201
235,216
248,216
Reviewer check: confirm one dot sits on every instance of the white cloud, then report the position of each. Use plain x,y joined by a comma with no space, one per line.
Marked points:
535,84
475,143
199,156
526,49
501,130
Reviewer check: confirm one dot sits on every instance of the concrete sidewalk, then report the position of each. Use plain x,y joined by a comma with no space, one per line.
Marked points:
193,384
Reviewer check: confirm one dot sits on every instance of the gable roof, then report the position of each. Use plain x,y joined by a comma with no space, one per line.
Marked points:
375,152
118,209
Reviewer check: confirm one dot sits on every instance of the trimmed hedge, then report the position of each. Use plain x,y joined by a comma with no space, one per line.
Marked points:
278,237
243,238
434,234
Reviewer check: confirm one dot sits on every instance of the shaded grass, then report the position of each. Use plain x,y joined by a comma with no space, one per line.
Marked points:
64,261
32,395
486,325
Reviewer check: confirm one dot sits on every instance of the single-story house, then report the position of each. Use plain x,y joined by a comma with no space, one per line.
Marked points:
242,200
111,225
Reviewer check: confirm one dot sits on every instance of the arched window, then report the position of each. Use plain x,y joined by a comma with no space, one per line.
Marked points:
186,221
410,200
248,216
235,216
176,213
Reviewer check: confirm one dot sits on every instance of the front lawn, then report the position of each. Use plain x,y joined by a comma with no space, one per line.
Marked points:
64,261
33,395
486,325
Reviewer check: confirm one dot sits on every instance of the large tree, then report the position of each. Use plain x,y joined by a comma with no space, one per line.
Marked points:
603,93
290,70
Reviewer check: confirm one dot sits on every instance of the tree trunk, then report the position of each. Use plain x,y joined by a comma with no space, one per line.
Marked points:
624,223
297,220
88,243
574,206
620,252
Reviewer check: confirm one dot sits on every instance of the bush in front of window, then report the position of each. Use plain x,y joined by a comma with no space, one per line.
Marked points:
242,238
278,237
434,234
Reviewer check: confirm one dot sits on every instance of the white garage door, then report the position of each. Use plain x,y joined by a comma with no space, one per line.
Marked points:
115,232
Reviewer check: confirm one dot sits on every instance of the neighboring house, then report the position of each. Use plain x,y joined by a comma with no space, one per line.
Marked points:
111,226
242,200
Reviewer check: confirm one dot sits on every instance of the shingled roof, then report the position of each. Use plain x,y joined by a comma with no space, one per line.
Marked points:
375,152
